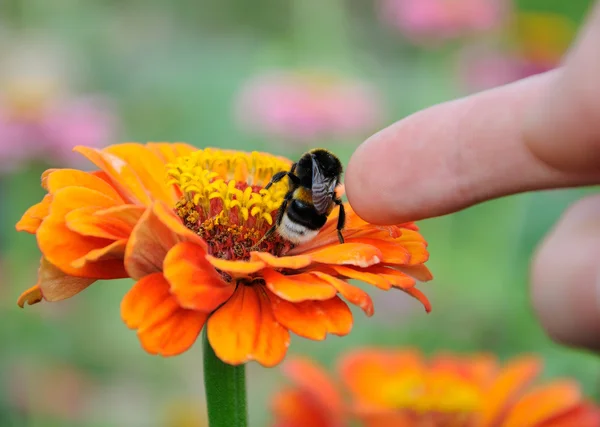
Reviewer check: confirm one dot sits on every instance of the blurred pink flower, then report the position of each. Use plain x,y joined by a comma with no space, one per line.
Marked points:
435,20
480,70
40,118
538,42
304,107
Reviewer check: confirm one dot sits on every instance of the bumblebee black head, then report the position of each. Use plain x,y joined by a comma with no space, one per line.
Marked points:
330,165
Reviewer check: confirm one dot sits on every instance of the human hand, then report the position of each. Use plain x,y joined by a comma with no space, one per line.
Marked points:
539,133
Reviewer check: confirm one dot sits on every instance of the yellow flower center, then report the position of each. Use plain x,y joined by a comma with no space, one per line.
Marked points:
224,200
445,397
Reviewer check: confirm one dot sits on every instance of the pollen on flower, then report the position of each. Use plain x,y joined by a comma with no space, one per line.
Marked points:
224,200
443,395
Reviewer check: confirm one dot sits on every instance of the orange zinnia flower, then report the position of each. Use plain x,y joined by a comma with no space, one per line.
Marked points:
400,388
190,240
82,225
196,260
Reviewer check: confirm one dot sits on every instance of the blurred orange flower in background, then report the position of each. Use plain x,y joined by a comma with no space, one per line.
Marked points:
189,240
402,388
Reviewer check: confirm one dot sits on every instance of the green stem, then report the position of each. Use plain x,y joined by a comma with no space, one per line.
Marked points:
225,390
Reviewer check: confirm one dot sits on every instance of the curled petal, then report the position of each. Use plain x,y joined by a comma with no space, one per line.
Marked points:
417,294
298,287
56,285
115,251
62,246
313,319
33,217
365,275
31,296
62,178
244,329
238,268
359,254
193,280
543,404
292,262
157,231
163,326
419,272
396,278
113,223
353,294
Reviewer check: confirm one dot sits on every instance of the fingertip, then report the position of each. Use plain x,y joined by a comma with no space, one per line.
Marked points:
565,276
364,184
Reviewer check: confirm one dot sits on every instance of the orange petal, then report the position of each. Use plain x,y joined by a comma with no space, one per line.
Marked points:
169,152
62,246
122,175
368,374
33,217
419,272
359,254
392,252
244,329
353,294
418,252
584,415
298,287
146,164
395,277
163,326
56,285
294,408
63,178
415,293
511,381
31,296
364,275
157,231
313,319
543,404
193,280
68,199
292,262
237,268
311,378
114,251
114,223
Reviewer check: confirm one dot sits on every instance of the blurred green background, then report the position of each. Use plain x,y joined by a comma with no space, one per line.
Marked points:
173,72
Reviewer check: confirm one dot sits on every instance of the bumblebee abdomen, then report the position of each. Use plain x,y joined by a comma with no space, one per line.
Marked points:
305,214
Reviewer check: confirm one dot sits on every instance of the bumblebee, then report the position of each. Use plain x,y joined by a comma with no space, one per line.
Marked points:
311,197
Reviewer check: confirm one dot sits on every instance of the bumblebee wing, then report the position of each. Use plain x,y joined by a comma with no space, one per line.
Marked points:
321,189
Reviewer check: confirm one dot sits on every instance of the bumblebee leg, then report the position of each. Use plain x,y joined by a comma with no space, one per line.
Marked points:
280,175
280,213
341,220
276,178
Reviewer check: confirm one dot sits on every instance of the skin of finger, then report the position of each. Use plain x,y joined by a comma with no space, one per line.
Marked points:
452,156
562,128
565,278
